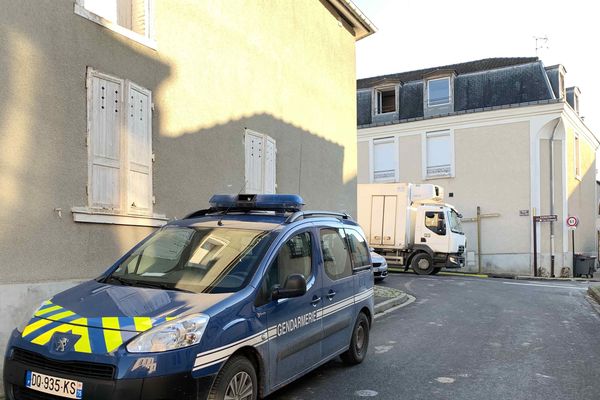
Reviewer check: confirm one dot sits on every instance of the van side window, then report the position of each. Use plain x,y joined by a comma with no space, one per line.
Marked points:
335,253
359,248
294,257
435,222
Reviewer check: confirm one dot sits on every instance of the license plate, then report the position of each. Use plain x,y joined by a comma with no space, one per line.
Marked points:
53,385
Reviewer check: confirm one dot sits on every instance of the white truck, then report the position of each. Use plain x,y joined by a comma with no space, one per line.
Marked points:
409,224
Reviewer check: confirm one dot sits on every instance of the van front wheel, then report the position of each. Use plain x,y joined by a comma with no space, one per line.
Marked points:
237,380
359,343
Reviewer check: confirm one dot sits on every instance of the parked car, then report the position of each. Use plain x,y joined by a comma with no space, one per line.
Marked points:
380,267
189,311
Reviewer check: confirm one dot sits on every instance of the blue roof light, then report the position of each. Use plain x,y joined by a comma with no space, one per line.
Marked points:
266,202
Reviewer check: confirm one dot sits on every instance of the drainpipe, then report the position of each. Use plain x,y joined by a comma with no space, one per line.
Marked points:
552,198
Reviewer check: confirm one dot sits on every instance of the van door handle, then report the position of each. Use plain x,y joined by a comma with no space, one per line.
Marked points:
331,294
315,301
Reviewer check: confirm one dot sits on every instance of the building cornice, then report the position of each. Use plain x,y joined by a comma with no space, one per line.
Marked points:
505,115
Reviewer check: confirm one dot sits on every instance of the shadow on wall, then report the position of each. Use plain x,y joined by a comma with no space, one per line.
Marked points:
193,166
44,53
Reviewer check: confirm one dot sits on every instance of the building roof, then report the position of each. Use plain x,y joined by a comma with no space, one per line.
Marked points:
486,84
485,64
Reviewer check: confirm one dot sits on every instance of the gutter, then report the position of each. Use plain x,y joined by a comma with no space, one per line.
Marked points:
357,19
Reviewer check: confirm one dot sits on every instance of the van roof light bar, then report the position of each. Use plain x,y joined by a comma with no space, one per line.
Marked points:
257,202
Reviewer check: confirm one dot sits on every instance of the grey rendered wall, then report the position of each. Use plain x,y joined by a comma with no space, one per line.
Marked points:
218,68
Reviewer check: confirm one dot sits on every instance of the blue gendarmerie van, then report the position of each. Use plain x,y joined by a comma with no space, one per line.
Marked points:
232,302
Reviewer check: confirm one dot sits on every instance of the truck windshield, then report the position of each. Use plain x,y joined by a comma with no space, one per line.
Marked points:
454,222
198,260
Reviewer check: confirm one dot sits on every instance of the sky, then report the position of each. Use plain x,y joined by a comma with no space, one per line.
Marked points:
415,34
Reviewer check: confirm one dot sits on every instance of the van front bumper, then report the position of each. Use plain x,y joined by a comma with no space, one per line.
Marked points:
165,387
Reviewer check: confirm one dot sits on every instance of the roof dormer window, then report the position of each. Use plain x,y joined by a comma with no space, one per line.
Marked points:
386,100
438,92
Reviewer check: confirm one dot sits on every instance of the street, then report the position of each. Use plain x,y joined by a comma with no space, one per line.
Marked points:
472,338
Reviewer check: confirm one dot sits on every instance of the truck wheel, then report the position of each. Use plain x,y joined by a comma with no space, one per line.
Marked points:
237,380
436,270
422,264
359,343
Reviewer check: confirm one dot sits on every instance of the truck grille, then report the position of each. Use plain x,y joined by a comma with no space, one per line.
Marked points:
76,368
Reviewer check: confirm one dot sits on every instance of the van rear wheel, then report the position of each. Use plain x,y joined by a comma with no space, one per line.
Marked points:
422,264
359,343
237,380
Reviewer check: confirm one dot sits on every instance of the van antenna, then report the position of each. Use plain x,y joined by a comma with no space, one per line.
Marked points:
220,221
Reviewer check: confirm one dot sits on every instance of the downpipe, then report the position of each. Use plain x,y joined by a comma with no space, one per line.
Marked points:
552,199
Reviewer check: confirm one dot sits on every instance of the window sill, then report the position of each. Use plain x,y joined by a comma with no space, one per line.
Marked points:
428,178
385,113
85,13
87,215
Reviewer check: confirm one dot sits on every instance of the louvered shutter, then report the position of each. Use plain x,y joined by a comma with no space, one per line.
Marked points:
139,150
254,162
270,165
104,141
139,14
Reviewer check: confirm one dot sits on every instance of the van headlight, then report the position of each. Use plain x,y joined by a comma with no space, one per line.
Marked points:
183,332
24,319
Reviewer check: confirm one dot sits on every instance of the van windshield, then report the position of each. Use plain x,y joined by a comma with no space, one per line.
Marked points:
197,260
454,222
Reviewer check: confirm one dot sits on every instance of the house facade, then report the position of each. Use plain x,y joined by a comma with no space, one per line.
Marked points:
505,140
119,115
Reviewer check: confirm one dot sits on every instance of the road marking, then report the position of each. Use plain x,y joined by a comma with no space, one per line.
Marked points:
366,393
443,379
543,285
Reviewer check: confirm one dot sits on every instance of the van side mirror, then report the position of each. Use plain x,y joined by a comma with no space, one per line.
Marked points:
294,286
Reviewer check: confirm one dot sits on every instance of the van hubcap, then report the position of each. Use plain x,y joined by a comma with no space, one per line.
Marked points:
240,387
360,338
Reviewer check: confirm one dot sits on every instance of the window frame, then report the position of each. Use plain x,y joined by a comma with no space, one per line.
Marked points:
444,78
147,40
361,267
384,140
378,99
344,237
263,295
424,162
123,214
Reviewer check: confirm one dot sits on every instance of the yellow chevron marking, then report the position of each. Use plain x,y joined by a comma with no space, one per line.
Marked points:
170,318
47,310
142,324
35,326
112,336
83,344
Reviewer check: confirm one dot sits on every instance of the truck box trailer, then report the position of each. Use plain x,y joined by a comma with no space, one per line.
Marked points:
409,224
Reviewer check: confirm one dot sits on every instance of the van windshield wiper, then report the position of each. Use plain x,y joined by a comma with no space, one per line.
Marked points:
122,281
160,285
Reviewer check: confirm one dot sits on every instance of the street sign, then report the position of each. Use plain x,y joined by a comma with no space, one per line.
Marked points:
572,222
545,218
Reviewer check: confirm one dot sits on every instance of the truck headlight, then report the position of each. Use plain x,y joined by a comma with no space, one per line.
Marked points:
183,332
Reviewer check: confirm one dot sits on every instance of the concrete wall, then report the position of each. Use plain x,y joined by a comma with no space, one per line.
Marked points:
285,68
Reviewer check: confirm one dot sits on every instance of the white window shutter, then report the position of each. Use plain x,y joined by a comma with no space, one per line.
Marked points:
139,15
254,161
104,125
270,165
139,150
384,160
439,156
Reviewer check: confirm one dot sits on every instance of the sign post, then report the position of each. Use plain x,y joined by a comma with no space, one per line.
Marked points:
536,219
572,223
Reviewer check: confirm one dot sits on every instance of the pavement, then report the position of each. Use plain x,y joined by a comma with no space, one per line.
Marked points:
472,338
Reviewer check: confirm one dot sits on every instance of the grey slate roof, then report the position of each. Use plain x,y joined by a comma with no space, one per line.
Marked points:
492,82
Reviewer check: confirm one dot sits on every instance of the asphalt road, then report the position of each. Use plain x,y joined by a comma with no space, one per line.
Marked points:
472,338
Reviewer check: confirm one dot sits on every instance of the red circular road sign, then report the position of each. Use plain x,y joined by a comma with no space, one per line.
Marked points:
572,221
